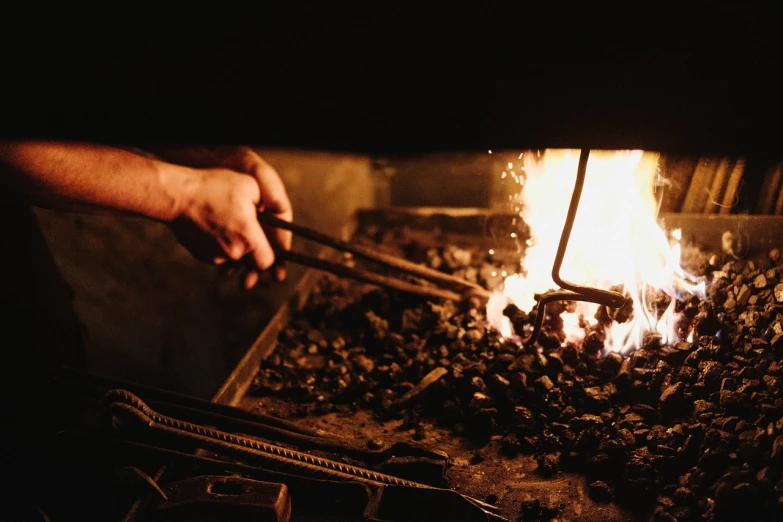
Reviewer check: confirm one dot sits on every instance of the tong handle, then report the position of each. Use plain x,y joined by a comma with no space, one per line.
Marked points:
367,253
369,277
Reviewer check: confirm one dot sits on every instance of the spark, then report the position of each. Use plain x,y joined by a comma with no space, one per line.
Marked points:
492,251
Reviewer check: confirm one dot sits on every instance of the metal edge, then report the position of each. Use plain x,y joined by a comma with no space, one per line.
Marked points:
236,385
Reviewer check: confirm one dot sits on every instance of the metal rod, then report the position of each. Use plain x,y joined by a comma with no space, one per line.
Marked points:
369,254
208,412
127,405
586,293
292,481
236,420
572,292
348,447
124,407
371,277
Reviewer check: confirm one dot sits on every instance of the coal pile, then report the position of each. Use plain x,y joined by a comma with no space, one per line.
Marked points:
692,431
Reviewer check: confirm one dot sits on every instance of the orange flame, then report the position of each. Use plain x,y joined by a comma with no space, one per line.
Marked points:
615,240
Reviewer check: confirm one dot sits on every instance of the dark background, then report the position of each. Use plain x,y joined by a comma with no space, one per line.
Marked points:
412,79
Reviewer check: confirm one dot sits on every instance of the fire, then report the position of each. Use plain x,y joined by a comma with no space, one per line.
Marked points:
616,240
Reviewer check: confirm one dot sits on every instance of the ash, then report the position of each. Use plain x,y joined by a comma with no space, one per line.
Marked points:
692,431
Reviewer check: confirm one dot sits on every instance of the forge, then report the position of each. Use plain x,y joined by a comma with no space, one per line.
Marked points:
583,424
647,387
355,400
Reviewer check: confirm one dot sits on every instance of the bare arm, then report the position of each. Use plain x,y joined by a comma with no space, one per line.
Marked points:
274,199
212,210
74,176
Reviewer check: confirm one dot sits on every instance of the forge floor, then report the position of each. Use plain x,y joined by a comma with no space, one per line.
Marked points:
511,480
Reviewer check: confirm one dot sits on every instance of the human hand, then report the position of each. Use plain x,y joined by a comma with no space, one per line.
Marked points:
272,198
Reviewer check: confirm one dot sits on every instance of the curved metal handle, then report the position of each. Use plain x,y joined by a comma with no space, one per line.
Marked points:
572,292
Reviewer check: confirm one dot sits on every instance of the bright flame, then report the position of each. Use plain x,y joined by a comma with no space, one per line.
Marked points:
615,240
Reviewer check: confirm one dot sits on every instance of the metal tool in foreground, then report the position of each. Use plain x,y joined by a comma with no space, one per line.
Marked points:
206,498
257,425
131,417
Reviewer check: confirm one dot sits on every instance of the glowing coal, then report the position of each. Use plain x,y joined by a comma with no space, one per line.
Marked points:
616,240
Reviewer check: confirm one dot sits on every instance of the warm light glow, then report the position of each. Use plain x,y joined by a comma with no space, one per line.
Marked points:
571,326
615,240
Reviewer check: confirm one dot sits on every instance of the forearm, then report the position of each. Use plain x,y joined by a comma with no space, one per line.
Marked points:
67,175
